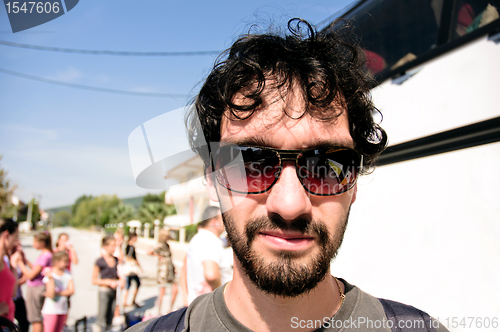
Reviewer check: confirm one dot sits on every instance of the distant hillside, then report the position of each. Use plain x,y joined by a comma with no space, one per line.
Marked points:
134,201
57,209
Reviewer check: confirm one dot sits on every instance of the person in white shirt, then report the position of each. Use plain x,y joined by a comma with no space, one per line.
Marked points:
206,266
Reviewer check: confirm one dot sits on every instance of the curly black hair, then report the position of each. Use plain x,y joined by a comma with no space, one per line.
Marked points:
329,68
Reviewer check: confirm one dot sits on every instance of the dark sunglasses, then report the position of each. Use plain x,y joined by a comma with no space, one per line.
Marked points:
254,170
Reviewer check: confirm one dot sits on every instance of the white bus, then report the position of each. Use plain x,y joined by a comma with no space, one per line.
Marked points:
425,229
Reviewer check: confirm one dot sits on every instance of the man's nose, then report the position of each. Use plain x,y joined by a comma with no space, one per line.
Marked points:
287,197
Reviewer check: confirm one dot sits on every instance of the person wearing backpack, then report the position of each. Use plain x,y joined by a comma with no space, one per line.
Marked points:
284,125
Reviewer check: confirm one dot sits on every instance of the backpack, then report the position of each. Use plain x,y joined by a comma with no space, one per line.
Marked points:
173,322
398,312
395,312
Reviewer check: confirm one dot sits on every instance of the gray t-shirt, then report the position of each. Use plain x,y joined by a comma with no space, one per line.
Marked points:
359,312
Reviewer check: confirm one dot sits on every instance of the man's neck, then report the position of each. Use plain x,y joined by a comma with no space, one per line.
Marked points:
260,311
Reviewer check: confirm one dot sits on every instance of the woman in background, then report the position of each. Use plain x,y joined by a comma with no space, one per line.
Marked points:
105,275
33,272
9,236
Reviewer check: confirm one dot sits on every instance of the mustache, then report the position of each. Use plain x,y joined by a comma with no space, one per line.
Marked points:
273,221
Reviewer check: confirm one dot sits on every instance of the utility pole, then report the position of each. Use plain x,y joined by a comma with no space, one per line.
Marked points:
30,212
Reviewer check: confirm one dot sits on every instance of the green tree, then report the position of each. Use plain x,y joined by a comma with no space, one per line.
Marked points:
7,209
152,198
78,201
149,212
61,218
35,213
122,213
162,196
191,230
95,211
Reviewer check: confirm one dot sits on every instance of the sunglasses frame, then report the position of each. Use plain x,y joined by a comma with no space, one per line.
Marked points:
288,155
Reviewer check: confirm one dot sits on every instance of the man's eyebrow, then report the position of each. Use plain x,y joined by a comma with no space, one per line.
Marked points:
327,144
249,141
320,144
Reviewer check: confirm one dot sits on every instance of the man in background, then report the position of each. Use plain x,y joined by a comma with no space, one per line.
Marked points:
205,263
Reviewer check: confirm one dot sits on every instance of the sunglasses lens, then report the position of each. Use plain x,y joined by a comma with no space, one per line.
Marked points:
328,172
246,169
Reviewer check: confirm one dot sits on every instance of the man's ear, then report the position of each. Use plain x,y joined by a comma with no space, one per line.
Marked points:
211,185
354,193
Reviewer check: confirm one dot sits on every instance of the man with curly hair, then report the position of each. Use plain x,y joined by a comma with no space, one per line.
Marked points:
289,125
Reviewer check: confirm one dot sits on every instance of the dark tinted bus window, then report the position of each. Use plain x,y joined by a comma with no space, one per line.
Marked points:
472,15
395,32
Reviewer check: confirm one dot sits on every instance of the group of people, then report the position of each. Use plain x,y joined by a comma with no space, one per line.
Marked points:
114,273
118,269
49,282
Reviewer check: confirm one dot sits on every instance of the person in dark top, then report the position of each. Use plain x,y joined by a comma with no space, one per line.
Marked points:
105,275
132,273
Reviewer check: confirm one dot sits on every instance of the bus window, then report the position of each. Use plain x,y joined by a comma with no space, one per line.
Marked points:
395,32
472,15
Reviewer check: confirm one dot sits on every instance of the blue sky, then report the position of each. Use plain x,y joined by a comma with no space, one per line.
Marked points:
59,142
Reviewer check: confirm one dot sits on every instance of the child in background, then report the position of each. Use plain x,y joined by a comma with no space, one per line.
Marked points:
33,272
59,286
63,244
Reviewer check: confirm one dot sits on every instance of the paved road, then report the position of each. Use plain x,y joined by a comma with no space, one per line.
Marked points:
84,301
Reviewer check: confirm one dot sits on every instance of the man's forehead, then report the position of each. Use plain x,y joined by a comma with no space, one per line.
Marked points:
272,127
286,120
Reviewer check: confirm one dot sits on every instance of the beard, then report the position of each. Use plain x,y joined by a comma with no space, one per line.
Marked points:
284,275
